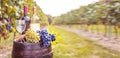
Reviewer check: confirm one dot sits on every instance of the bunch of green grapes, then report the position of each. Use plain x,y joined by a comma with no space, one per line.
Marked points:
32,36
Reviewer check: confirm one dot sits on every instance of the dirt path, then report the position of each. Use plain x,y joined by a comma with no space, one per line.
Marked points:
97,38
7,51
5,54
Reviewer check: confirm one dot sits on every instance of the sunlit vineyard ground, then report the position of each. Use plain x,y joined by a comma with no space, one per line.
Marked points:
93,28
6,43
70,45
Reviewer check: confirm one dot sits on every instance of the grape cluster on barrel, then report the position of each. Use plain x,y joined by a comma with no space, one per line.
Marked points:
32,36
41,36
46,38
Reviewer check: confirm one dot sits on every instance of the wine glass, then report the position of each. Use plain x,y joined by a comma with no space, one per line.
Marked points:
21,26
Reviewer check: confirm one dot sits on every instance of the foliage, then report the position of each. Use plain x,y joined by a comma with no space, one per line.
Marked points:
94,13
14,10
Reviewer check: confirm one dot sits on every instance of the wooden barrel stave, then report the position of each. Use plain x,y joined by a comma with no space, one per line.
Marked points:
31,50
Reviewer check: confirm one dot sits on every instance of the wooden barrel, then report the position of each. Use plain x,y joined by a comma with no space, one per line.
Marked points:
31,50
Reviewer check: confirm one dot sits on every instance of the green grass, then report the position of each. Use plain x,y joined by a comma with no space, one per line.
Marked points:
70,45
8,41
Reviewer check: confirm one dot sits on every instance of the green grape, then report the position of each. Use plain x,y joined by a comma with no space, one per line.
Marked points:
32,36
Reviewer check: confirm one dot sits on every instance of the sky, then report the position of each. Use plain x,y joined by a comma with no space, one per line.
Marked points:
58,7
